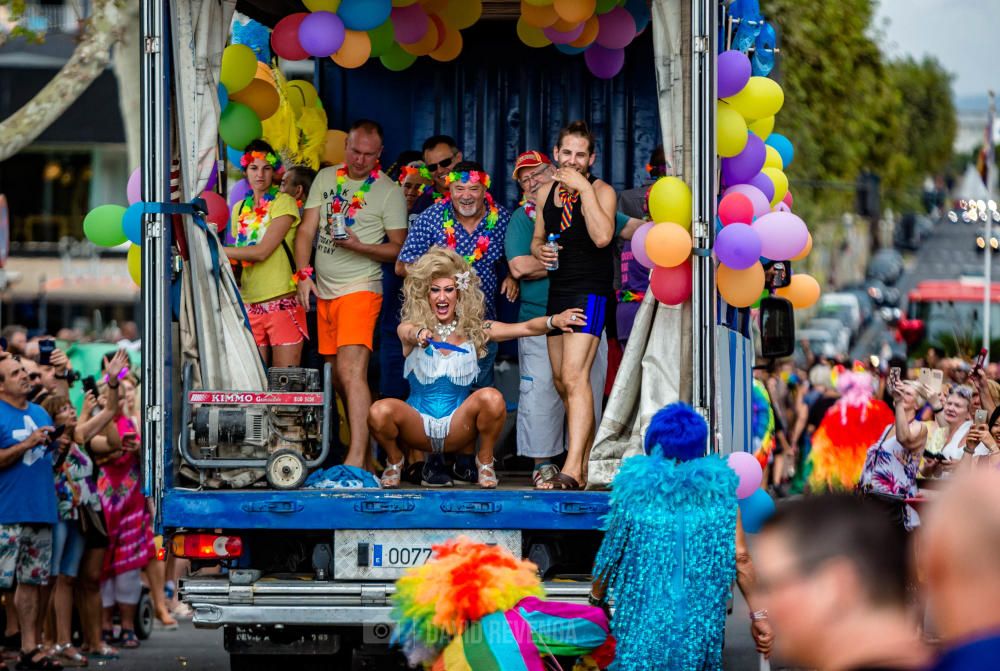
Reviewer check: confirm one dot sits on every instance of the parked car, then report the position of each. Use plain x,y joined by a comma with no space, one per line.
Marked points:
820,344
839,332
865,302
844,307
886,265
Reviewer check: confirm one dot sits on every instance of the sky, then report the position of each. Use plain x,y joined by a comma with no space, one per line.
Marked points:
962,34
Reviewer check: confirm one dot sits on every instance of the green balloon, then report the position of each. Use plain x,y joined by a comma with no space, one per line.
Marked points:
103,226
381,38
239,126
605,6
396,59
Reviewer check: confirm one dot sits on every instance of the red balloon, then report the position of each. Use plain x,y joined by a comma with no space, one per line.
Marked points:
787,200
218,210
671,286
735,208
285,38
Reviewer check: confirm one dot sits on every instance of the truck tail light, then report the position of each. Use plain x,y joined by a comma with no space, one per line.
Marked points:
207,546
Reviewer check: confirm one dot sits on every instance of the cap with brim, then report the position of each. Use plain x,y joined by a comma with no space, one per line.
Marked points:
530,159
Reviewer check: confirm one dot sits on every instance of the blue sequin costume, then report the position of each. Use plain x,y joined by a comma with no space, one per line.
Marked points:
439,383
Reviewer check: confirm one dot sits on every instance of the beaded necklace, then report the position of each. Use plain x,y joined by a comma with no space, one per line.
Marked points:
358,198
483,241
251,228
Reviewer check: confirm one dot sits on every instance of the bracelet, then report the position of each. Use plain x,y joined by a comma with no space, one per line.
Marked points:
302,274
548,323
758,615
416,336
595,601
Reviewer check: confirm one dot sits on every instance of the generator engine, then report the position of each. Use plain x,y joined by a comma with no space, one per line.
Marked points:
281,437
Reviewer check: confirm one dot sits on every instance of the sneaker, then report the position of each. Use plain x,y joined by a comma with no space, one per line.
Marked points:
413,472
465,469
435,474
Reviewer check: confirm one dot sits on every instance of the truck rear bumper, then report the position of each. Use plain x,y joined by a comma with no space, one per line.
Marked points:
216,602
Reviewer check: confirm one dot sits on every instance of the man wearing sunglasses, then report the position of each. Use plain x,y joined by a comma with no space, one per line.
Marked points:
441,155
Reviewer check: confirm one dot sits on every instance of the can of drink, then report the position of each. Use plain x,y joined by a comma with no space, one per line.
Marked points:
337,222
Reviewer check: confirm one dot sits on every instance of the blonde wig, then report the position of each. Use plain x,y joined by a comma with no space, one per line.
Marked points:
470,307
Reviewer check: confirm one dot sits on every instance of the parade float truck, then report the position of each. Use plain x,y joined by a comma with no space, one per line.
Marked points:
309,571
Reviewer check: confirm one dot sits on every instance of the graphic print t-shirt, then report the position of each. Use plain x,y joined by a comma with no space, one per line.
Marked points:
27,487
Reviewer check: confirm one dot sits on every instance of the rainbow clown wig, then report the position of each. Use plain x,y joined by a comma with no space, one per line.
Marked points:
475,606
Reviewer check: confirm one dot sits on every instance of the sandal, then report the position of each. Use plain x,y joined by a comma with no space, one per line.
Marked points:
104,653
69,659
129,640
392,474
561,482
487,476
543,473
28,662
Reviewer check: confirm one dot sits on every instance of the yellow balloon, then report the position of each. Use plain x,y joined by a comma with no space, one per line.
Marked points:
668,245
730,131
538,16
322,5
761,97
805,250
435,6
450,48
539,3
773,158
762,127
355,50
803,291
239,65
740,288
780,182
134,262
333,148
462,15
530,35
670,200
301,94
575,11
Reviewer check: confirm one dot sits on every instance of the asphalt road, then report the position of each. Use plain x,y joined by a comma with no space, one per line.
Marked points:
191,649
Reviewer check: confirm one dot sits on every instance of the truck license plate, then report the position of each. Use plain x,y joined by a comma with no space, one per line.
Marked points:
384,554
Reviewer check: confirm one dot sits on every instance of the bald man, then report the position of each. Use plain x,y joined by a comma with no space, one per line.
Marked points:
959,558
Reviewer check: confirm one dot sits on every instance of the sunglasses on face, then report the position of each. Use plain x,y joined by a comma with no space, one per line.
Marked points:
443,163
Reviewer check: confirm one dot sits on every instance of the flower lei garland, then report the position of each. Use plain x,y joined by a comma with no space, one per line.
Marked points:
408,170
483,242
468,176
252,156
530,208
250,228
358,197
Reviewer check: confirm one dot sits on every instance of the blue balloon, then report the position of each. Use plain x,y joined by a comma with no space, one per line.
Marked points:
783,146
223,97
234,156
364,14
640,12
755,510
570,50
132,223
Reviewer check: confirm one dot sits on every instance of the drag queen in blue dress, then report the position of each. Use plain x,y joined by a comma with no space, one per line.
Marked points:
444,334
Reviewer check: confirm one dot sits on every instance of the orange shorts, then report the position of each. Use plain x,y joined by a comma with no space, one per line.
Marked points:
348,320
277,323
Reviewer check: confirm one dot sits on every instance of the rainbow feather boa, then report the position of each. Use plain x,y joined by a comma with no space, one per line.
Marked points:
762,423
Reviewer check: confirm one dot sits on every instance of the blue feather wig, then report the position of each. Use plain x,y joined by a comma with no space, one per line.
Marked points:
668,558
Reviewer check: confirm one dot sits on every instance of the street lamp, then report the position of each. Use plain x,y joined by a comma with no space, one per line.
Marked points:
985,212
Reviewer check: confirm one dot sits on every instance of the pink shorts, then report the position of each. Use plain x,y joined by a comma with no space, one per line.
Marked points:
277,323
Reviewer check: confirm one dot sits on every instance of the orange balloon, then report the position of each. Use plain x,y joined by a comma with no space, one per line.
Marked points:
739,288
264,72
565,26
588,35
436,6
803,291
429,42
259,96
355,50
450,48
805,250
333,148
575,11
668,245
539,17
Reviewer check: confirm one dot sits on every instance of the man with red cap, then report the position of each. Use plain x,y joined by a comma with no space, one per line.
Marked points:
540,410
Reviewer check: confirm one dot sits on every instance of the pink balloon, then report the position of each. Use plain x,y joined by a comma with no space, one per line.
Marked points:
559,37
671,286
134,187
735,208
218,211
782,207
746,466
782,235
639,245
616,29
787,200
761,205
409,23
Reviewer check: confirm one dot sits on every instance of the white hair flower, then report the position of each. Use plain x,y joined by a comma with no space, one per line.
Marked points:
462,280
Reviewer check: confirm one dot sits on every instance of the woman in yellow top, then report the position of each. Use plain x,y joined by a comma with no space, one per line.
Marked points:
263,225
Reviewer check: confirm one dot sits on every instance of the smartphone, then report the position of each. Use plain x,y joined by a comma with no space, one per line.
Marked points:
932,378
980,360
933,455
90,384
57,432
895,377
981,417
45,349
128,441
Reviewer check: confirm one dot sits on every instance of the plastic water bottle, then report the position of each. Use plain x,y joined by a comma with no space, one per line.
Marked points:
554,246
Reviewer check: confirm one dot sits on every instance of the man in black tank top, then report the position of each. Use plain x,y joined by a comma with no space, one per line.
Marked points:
580,210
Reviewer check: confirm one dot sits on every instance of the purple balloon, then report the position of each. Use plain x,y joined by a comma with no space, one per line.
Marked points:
616,29
559,37
604,63
764,183
734,73
239,191
761,204
321,34
749,471
743,167
639,245
782,235
134,187
737,246
409,23
213,178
